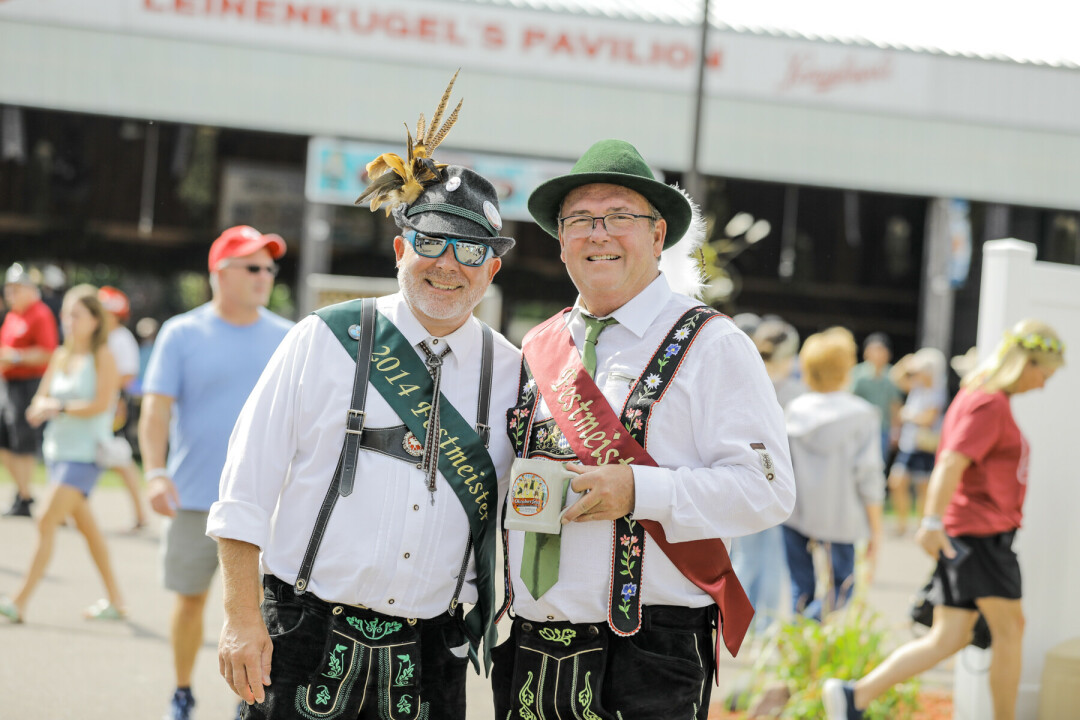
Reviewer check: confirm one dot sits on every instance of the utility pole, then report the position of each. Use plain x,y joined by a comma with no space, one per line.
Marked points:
695,184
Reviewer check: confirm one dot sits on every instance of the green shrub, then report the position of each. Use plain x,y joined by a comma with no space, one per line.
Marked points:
801,654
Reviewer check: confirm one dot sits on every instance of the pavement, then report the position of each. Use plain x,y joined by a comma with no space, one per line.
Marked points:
58,666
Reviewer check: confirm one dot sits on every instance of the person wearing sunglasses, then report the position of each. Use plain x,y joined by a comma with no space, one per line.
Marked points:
668,420
203,366
367,477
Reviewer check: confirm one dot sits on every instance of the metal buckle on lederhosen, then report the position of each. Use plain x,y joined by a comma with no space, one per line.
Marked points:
361,641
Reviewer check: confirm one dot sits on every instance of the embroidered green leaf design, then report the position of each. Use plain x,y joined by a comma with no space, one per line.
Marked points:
563,636
625,607
405,671
374,629
404,705
627,563
324,695
526,698
337,662
585,699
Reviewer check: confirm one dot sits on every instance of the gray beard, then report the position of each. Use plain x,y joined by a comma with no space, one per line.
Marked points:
418,294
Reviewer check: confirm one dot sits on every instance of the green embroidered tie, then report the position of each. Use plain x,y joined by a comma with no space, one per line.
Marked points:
593,328
540,554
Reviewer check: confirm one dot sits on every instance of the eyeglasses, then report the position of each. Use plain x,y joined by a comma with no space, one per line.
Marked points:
253,268
467,252
579,226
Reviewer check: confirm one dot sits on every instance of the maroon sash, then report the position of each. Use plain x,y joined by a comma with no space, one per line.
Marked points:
598,438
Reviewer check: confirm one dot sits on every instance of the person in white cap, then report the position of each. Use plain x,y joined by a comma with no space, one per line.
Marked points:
203,366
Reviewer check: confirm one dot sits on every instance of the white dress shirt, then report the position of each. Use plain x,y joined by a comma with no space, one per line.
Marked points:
709,484
386,545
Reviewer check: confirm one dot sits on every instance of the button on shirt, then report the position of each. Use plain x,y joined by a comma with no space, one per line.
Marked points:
386,546
710,482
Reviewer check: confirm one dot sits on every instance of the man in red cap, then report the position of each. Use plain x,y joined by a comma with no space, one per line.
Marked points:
125,350
202,368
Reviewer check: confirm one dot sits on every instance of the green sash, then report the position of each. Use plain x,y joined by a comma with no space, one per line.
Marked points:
402,379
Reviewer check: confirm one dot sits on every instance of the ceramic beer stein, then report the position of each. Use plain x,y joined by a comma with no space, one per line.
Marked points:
537,495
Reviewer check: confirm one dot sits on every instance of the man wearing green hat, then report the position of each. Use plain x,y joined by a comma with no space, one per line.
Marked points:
667,418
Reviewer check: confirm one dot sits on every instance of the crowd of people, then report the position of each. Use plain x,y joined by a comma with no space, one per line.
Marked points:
352,473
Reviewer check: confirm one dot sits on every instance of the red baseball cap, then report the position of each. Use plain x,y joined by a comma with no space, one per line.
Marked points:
243,240
115,301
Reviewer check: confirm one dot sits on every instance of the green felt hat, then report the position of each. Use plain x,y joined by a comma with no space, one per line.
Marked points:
616,162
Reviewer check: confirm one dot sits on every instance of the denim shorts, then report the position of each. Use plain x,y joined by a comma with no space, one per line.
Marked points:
917,463
80,475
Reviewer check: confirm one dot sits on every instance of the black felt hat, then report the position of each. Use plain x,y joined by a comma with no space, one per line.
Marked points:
616,162
464,205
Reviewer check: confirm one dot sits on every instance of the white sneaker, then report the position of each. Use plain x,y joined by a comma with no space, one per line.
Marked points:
839,699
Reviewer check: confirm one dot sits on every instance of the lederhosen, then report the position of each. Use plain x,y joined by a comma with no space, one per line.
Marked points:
367,664
644,662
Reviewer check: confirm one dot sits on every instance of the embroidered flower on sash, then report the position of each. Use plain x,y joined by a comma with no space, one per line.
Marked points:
632,550
633,419
652,381
669,352
518,423
682,333
629,590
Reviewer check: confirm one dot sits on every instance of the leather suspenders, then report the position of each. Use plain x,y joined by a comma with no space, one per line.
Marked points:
345,473
387,441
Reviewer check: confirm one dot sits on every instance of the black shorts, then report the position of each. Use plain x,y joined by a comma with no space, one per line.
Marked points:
568,670
989,568
16,434
916,462
344,662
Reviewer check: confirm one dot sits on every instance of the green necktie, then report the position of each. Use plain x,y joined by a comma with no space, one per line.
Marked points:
593,328
540,555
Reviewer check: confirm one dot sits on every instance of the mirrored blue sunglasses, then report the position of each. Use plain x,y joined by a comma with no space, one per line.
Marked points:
467,252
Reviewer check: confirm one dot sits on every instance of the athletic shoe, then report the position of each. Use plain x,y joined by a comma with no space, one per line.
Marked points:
104,610
19,508
839,697
8,610
182,706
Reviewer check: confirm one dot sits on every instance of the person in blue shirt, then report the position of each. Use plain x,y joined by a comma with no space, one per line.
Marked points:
204,365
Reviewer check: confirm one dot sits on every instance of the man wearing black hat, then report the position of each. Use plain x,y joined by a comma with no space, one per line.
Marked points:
669,421
363,470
